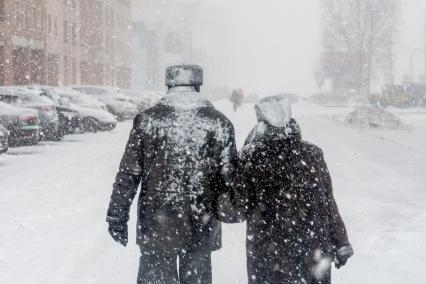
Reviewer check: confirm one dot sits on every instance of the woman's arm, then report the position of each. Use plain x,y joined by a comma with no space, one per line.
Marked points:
338,234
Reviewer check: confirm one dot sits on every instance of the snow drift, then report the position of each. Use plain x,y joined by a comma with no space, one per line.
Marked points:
372,117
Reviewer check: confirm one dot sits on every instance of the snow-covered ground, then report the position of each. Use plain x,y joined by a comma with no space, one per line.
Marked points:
54,199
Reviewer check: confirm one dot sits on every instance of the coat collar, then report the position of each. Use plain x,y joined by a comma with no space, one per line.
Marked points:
264,131
184,98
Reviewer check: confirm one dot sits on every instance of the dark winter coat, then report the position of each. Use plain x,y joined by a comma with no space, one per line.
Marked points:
284,191
182,152
237,97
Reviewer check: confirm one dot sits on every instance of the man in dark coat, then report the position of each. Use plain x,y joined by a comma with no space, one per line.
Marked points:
182,153
284,191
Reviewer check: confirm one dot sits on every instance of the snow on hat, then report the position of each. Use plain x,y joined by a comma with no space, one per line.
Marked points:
184,75
275,110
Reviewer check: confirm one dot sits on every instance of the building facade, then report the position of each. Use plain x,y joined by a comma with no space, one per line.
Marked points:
65,42
22,41
163,38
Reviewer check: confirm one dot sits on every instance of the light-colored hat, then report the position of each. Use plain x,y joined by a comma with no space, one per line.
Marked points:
184,75
275,110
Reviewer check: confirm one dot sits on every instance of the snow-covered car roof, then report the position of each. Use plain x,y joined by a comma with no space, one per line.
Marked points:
116,101
78,99
97,90
48,90
136,94
100,114
67,91
101,93
27,96
7,109
142,96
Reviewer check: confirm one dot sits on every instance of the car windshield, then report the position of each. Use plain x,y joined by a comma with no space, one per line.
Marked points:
83,101
51,94
32,99
92,90
9,99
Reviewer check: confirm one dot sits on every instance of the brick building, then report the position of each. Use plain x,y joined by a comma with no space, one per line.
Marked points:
64,42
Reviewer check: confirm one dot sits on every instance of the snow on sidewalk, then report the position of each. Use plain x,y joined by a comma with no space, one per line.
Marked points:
54,199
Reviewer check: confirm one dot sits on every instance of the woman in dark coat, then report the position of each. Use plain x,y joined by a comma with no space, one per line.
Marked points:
284,191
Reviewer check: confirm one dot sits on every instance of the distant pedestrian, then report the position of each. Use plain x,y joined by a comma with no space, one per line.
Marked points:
284,190
182,153
237,99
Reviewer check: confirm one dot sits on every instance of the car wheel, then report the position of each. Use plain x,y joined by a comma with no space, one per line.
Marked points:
58,136
34,141
90,125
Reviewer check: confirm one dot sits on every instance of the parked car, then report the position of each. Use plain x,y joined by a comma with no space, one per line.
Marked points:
94,117
69,117
22,124
417,94
23,97
4,139
143,100
116,102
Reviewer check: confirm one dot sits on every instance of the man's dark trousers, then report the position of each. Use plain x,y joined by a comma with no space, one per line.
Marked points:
157,267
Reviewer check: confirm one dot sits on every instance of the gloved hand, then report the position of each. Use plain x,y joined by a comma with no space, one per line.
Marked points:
227,212
119,233
342,256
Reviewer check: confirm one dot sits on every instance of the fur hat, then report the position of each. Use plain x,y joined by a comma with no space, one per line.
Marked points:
184,75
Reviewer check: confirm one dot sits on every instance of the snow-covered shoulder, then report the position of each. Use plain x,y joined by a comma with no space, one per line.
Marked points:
184,98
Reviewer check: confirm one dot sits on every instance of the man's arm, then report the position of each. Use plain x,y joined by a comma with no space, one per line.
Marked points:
229,156
243,189
126,185
227,170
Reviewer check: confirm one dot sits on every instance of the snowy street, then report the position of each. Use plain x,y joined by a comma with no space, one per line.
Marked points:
54,199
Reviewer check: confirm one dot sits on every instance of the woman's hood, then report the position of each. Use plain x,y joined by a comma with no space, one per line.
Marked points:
265,131
274,110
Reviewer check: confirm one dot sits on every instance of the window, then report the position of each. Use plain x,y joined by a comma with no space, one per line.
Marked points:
27,18
66,32
112,18
17,13
43,20
74,71
74,34
66,70
49,24
1,10
173,43
84,72
34,17
53,69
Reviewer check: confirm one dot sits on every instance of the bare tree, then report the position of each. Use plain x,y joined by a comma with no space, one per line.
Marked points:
357,36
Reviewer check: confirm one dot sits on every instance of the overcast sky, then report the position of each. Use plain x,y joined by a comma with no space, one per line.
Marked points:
411,39
271,46
266,46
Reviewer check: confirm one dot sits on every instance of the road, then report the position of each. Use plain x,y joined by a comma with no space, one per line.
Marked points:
54,198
